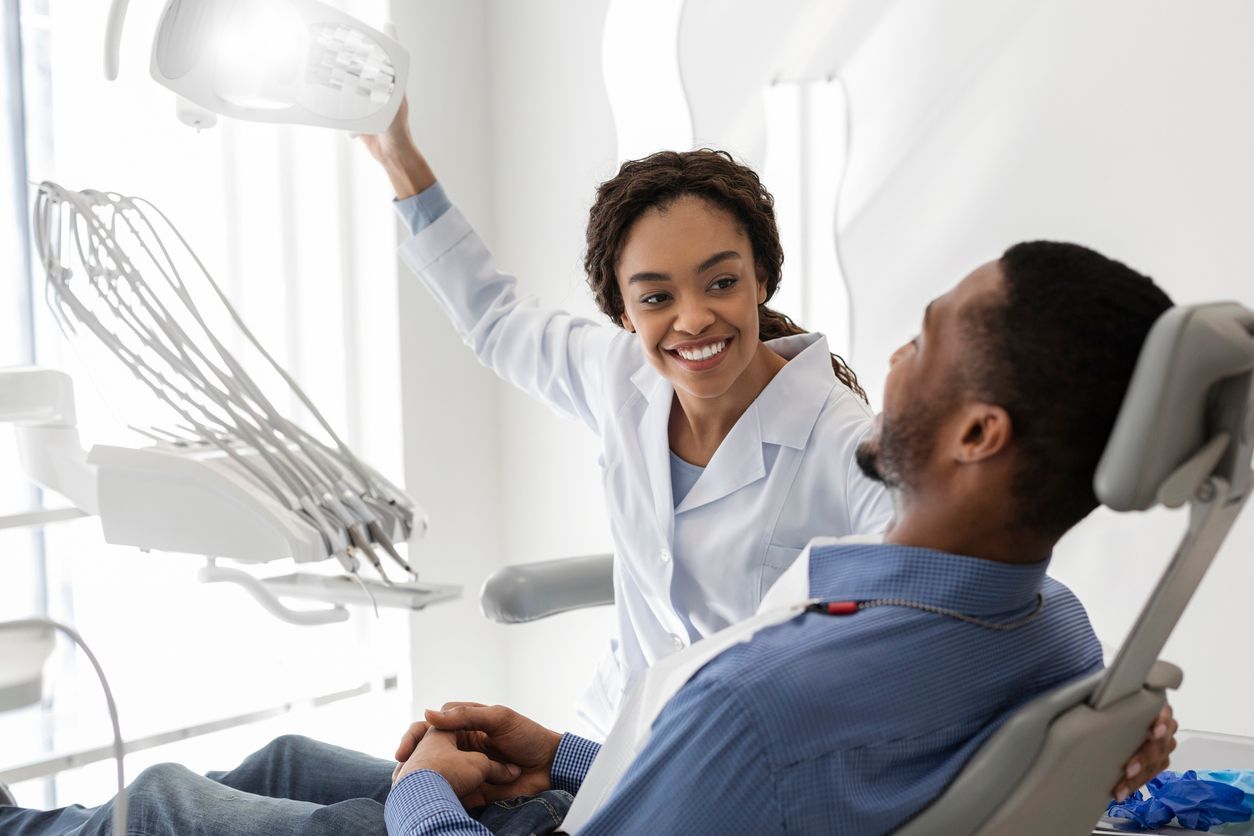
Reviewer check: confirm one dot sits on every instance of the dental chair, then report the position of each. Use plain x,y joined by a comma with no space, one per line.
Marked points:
1184,435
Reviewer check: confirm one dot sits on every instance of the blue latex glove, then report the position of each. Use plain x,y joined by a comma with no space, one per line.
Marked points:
1242,780
1197,804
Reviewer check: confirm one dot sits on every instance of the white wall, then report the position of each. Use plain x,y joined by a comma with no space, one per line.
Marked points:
508,104
553,142
978,123
975,123
452,454
1107,124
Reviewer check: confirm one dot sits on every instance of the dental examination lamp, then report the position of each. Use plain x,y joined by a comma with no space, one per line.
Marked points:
293,61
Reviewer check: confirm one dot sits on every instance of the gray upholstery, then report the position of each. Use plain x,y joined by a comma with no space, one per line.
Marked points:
529,591
1050,762
1192,384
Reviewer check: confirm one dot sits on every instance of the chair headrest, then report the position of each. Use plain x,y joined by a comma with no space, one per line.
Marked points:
1188,412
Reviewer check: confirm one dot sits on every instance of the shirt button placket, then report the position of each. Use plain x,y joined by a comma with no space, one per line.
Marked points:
665,555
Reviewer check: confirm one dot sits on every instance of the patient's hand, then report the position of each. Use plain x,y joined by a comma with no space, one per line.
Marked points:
1153,756
503,735
466,772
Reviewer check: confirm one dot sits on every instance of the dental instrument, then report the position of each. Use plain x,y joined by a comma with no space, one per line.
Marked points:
118,270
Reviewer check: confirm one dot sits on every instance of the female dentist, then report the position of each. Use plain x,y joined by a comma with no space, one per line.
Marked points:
727,433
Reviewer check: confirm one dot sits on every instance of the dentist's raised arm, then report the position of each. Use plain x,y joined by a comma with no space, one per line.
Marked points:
552,355
395,150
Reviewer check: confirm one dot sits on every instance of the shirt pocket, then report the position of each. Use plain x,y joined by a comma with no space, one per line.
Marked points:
777,561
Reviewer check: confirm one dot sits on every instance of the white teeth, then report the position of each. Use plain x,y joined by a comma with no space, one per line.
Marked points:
703,353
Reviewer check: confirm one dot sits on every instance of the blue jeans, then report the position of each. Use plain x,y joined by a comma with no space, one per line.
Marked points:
293,785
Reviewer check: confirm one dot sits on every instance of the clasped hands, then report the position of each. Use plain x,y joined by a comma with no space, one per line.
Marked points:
485,752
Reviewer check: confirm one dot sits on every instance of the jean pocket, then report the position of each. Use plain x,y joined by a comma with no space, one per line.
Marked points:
528,815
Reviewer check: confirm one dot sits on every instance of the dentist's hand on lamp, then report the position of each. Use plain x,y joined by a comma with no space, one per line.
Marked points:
395,149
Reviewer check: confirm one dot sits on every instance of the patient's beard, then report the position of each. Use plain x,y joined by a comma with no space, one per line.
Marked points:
898,453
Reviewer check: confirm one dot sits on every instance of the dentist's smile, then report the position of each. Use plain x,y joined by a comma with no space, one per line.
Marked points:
700,355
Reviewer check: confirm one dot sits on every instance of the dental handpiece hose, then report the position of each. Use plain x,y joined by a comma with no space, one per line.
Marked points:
119,803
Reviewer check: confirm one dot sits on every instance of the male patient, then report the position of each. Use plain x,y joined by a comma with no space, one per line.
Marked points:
994,419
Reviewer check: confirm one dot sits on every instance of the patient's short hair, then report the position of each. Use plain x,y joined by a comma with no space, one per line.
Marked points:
1057,353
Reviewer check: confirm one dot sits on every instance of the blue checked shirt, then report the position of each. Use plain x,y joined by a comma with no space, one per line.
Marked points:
828,724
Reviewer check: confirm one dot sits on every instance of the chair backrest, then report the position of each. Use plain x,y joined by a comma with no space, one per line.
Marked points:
1185,433
1191,385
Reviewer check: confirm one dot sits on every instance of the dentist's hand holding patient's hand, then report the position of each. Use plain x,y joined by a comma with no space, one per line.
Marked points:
499,733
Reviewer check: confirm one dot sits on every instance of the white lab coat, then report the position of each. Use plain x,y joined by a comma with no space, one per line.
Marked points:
784,475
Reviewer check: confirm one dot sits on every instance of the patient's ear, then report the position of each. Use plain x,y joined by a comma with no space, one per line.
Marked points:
986,431
625,321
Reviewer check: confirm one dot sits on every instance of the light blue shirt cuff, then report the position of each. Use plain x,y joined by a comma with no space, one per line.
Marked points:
424,803
422,210
571,763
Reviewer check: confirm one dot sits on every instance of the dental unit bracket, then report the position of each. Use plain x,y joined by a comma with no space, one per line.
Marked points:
180,498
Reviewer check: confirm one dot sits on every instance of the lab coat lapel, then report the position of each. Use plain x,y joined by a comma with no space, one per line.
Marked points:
783,414
737,462
656,447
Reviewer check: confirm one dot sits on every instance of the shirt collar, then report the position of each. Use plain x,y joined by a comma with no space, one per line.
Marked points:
792,401
971,585
790,404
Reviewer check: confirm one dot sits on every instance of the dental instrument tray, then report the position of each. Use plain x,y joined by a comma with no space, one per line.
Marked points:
231,474
198,500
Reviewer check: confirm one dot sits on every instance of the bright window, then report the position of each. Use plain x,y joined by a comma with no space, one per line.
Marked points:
295,224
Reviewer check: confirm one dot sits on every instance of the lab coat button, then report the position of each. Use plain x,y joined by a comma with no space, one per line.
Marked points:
666,555
677,641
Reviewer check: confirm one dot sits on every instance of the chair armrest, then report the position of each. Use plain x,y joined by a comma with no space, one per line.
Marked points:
515,594
1164,676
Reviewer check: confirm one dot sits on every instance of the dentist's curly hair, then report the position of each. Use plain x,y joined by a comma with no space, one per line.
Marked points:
656,182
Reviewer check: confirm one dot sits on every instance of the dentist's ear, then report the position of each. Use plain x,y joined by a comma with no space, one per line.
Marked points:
986,431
